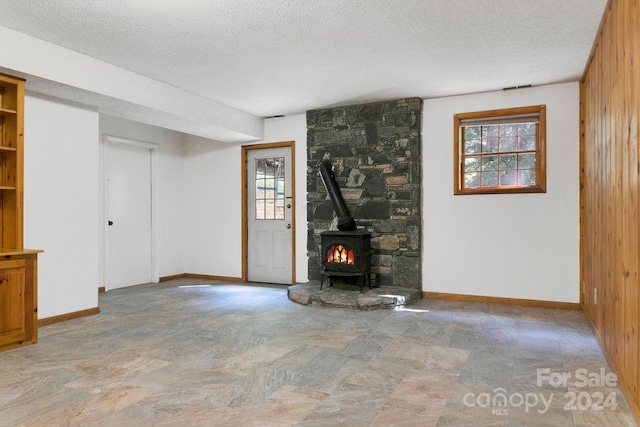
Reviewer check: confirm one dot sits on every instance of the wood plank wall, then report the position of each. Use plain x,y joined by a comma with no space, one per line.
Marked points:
610,245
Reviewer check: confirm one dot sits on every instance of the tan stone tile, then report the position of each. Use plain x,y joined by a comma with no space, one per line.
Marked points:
32,405
390,415
251,359
443,359
225,319
104,373
380,374
474,416
406,348
287,406
349,405
423,392
9,378
605,418
537,314
333,338
203,414
439,385
90,410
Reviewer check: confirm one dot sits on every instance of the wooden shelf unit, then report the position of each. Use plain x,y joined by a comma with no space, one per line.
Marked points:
18,266
11,160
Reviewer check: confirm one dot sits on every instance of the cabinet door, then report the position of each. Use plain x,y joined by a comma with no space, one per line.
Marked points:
12,301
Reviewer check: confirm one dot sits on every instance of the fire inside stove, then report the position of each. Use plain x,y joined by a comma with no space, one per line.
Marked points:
340,254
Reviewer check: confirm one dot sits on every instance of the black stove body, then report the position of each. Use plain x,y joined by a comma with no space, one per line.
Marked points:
346,252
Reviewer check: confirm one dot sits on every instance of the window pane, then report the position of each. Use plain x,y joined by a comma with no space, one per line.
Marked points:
507,161
526,177
489,163
508,130
260,193
508,177
527,129
260,168
508,144
490,131
472,132
259,209
472,146
471,164
280,189
490,179
279,167
527,161
269,168
472,180
270,188
527,143
489,145
269,209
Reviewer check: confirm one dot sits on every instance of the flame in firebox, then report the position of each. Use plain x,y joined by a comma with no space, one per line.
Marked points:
340,254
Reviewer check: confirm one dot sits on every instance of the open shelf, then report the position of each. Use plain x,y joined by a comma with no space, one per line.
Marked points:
2,148
5,112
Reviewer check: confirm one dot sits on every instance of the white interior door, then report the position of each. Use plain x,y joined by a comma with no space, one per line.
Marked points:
128,213
269,216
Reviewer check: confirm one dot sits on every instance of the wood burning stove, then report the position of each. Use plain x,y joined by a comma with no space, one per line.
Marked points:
347,251
346,254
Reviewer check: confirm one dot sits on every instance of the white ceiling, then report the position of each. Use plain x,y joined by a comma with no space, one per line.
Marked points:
281,57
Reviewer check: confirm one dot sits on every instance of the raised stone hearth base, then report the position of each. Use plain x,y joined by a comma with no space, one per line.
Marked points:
337,296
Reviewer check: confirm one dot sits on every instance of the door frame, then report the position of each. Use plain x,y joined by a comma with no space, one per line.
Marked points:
245,218
153,150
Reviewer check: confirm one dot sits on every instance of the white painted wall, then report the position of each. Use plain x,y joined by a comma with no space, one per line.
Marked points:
170,190
61,203
505,245
294,128
213,198
213,220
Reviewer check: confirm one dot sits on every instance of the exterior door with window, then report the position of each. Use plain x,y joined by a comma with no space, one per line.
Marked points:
269,216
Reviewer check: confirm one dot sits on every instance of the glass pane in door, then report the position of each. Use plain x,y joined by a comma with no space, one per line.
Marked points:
270,188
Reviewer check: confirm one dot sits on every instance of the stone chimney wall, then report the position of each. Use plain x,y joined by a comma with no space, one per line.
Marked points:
376,153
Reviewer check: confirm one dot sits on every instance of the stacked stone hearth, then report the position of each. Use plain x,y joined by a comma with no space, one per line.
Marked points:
375,151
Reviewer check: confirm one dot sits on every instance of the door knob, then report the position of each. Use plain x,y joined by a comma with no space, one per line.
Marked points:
109,222
288,225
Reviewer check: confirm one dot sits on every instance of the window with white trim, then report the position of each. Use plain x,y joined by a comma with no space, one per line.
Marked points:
500,151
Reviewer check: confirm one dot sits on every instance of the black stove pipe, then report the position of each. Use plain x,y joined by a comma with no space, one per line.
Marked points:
345,221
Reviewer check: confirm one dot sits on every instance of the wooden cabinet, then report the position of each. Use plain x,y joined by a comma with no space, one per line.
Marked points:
18,266
18,298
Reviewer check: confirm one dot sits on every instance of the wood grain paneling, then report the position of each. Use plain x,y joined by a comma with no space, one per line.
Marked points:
610,243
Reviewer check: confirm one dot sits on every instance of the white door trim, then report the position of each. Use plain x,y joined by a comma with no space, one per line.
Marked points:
153,148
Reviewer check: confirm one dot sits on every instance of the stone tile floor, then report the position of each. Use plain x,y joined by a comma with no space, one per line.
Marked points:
244,355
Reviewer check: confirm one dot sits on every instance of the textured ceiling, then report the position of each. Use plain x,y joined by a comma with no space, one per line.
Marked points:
274,57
